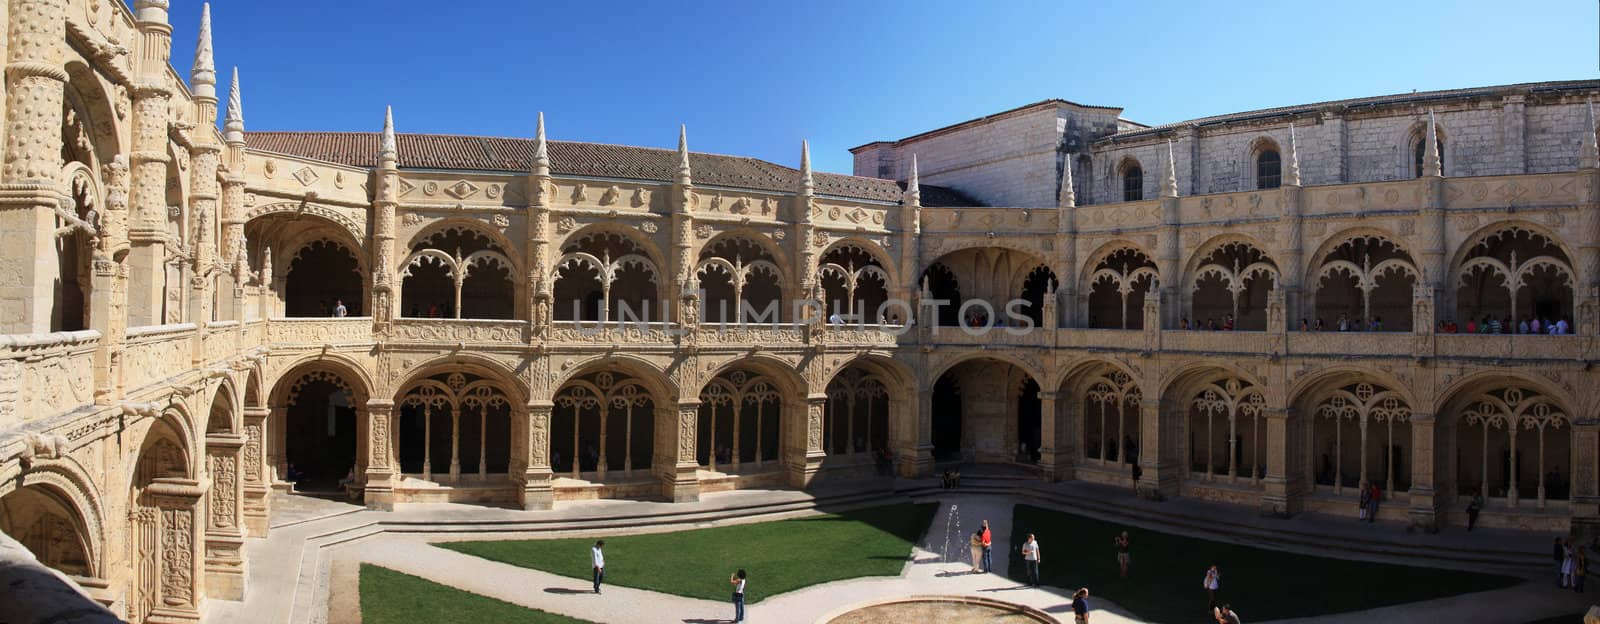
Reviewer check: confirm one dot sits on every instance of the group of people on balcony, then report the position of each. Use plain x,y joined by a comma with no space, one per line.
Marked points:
1490,325
1346,323
1211,324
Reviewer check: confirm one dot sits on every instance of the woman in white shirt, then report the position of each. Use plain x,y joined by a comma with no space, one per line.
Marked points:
737,580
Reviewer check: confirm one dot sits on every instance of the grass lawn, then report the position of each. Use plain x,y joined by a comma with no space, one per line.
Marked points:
1164,583
389,597
779,556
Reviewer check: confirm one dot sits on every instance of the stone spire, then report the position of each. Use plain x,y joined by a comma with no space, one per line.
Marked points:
1067,197
913,185
1292,176
203,77
541,151
388,152
685,175
808,184
1431,165
1169,178
233,123
1588,150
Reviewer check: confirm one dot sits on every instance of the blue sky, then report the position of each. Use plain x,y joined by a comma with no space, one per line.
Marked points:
754,78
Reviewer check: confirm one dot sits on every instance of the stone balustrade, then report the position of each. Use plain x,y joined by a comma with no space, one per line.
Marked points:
57,369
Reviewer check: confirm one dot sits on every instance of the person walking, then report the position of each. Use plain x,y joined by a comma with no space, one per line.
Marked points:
737,580
1080,606
1473,507
1372,502
977,551
1030,559
988,548
1121,542
1213,584
598,558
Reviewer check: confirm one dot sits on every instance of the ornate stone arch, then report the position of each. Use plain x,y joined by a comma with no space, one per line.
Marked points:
1475,257
1023,365
512,384
353,377
789,380
86,93
661,385
890,368
644,244
66,482
756,237
227,399
343,222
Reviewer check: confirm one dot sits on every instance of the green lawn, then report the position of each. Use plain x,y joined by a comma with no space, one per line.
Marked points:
389,597
1164,583
779,556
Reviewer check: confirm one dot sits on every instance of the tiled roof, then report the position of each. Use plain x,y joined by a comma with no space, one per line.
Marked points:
1381,100
444,151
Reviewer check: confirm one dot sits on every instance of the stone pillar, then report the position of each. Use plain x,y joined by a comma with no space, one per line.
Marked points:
1055,436
1515,137
276,433
109,291
29,192
805,457
178,567
224,561
380,474
1427,500
913,431
537,477
1585,491
253,472
1160,478
148,229
1277,493
676,429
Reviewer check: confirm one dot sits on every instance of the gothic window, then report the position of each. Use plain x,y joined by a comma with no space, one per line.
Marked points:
736,273
605,276
1361,433
1231,284
1367,279
1117,288
1269,169
602,423
1132,181
1513,276
457,273
739,422
1226,425
856,416
1514,443
457,422
1111,419
322,275
854,283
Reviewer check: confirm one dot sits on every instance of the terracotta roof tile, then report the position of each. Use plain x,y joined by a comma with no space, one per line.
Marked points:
443,151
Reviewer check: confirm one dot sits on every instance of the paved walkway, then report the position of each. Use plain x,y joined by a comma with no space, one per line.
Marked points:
316,547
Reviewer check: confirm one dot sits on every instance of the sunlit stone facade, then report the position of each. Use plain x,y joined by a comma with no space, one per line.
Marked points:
192,316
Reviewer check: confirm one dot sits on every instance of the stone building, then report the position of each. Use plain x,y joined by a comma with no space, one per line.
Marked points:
194,314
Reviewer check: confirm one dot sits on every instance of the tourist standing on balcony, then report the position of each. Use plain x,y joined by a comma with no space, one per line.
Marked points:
988,548
1123,558
738,594
1319,326
1030,559
339,310
1304,326
1344,322
1561,327
1536,326
598,558
1213,584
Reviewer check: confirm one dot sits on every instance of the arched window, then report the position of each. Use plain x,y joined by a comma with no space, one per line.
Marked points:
1132,181
1269,169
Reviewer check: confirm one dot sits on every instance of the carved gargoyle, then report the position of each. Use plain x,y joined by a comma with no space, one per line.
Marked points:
41,446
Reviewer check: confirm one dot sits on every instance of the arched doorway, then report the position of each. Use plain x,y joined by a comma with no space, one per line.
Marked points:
994,417
323,274
318,438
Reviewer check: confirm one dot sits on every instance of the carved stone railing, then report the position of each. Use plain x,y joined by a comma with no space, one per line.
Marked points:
613,332
156,352
315,332
220,342
864,335
1100,338
766,335
255,333
459,331
1351,343
1217,341
1119,216
1034,337
1508,346
1513,191
1238,206
56,370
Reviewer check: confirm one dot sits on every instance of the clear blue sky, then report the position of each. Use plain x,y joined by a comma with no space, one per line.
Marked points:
754,77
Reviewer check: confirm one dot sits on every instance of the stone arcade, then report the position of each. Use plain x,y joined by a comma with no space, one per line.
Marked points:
532,321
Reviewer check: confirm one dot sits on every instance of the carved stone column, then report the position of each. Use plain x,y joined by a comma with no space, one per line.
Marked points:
1585,490
148,228
1160,475
1055,436
224,561
676,429
253,472
179,588
537,477
806,455
1427,499
913,448
1277,493
379,492
29,193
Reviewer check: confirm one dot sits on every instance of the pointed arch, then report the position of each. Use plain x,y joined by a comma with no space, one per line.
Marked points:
1116,280
1516,270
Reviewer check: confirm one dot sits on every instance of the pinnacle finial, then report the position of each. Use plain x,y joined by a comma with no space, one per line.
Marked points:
684,173
1589,150
203,76
914,184
1067,197
233,123
808,184
1431,165
1292,177
1169,178
541,150
389,150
